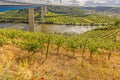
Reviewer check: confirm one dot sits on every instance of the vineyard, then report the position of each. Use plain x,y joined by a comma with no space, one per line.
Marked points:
92,41
98,48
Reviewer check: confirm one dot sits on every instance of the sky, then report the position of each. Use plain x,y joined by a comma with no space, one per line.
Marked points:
78,2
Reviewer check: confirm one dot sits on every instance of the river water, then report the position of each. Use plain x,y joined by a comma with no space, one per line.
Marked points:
46,28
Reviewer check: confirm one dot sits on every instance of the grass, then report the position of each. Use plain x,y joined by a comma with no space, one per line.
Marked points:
18,64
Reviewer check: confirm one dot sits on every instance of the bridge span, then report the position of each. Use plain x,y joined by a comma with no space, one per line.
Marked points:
6,5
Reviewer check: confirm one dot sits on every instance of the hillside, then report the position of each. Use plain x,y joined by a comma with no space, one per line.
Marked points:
34,56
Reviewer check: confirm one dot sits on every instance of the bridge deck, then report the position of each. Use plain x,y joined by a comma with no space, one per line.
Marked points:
17,7
11,5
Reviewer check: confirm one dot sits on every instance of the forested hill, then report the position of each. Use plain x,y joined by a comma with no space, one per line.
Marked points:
67,10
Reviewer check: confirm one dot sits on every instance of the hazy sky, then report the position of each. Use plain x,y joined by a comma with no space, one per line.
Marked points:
80,2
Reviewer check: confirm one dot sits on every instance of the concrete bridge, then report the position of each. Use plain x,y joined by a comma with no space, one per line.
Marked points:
12,5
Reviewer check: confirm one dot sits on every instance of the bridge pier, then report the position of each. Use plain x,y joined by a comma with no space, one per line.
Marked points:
45,9
43,12
31,20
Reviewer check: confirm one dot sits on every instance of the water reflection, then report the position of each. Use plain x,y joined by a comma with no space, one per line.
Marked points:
63,28
49,28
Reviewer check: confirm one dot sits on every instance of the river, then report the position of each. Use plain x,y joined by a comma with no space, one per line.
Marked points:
46,28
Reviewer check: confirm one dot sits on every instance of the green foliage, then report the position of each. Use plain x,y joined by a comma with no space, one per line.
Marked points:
3,41
117,23
31,46
92,45
72,43
59,40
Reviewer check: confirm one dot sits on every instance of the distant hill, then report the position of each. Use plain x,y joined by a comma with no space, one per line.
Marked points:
114,10
96,8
